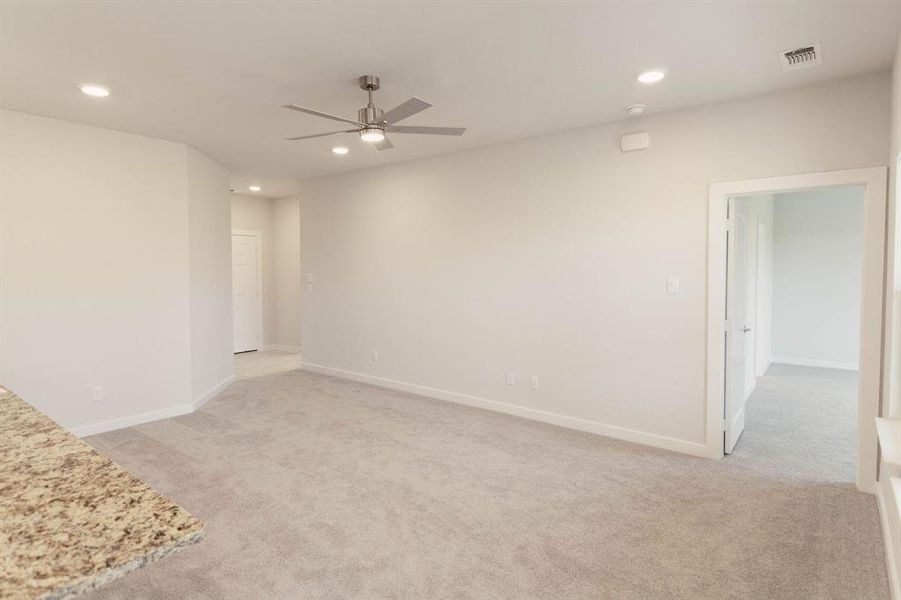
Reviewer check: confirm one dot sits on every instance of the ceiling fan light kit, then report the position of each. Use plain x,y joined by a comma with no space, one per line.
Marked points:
372,134
373,123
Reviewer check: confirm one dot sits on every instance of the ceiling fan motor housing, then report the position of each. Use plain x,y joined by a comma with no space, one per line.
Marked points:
370,115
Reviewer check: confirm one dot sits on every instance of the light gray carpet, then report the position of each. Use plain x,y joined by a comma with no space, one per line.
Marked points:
311,487
265,362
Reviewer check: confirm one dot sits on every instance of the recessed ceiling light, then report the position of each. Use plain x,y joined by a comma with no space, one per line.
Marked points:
340,150
372,134
651,75
94,89
254,188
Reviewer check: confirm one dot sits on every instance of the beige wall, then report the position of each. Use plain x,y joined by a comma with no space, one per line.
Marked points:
209,216
287,268
549,257
892,404
896,105
818,266
96,281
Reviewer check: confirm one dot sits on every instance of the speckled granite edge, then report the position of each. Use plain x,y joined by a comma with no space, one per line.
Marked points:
90,583
70,518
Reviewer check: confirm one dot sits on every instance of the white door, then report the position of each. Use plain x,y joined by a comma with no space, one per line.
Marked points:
246,292
737,350
764,300
750,303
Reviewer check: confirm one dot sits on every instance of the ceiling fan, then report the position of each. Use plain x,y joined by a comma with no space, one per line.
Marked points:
373,123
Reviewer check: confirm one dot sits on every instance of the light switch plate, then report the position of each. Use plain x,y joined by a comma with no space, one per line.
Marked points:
672,285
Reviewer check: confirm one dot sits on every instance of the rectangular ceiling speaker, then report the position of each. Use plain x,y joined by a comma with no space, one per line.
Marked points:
635,141
801,58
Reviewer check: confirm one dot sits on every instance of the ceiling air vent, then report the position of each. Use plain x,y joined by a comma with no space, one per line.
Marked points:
801,58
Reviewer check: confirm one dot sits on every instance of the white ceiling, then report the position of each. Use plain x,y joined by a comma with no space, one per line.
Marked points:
214,74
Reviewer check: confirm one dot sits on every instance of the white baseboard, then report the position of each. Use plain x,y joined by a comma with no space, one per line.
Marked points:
212,393
612,431
813,362
282,347
153,415
891,551
766,367
113,424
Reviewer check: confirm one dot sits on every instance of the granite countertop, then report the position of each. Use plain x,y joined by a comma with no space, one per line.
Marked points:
70,518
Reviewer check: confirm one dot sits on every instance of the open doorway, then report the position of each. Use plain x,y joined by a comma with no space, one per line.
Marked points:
265,285
761,314
794,273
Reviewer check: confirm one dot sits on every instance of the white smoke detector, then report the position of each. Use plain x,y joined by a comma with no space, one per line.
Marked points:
635,110
801,58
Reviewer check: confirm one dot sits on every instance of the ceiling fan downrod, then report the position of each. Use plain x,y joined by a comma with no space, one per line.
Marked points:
371,114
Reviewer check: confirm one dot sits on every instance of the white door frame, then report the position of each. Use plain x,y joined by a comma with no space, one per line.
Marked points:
873,296
258,236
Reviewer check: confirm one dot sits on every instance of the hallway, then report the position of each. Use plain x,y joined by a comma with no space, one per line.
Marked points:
265,362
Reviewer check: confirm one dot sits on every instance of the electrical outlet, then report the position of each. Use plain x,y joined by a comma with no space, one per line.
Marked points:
97,393
374,356
510,378
533,382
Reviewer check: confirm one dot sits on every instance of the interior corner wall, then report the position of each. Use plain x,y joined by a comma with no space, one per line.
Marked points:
209,228
549,256
114,273
818,269
94,271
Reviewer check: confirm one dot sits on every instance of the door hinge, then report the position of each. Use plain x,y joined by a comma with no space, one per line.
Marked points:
727,326
728,225
724,424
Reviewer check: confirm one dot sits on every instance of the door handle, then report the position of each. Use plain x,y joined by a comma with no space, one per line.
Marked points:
745,329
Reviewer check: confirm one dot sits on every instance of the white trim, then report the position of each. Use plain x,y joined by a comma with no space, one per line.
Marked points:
890,550
282,347
122,422
258,235
815,362
213,392
873,353
153,415
620,433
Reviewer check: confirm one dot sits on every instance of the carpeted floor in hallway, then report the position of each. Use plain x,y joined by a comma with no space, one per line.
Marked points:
312,487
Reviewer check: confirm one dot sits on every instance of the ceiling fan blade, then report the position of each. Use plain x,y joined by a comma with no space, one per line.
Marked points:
428,130
385,144
316,135
318,113
406,109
